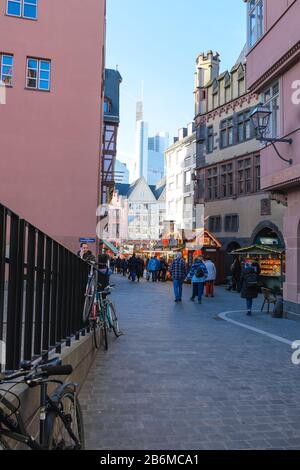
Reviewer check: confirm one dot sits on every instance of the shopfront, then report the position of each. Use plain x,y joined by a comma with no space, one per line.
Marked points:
271,261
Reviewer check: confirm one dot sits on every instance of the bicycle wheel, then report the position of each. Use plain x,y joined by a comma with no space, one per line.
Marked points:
3,445
113,319
104,333
58,436
95,326
89,298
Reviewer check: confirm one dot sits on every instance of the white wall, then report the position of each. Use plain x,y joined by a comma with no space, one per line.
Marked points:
179,159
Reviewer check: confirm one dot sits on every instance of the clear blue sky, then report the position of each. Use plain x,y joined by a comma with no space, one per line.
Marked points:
157,42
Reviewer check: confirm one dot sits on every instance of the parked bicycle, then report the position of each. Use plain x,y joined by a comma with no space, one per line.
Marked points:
99,310
61,423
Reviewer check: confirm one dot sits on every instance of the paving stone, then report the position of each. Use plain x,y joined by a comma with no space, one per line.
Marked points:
179,379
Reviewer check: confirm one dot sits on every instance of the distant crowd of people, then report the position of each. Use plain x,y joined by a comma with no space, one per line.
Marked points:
135,267
202,274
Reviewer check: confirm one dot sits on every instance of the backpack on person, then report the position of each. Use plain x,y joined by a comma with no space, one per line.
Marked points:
200,272
251,281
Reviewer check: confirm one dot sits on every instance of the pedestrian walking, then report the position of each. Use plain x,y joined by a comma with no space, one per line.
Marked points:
118,265
112,264
236,269
178,271
211,277
256,266
249,284
198,276
140,268
163,270
154,267
124,266
133,268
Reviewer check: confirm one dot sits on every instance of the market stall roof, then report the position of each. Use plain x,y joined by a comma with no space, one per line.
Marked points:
203,239
257,250
111,247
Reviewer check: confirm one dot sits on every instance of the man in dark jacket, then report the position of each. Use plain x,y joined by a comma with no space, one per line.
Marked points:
249,283
133,267
163,270
236,269
140,268
118,265
124,266
85,254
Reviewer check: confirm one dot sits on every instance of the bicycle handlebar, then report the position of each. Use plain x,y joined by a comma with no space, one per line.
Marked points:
38,372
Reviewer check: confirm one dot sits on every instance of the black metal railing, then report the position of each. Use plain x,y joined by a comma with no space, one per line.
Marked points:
42,287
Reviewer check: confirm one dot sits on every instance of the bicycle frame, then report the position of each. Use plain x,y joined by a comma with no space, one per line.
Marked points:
93,273
102,304
16,430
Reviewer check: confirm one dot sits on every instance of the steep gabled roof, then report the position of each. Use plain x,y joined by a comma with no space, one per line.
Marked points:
126,190
122,189
157,191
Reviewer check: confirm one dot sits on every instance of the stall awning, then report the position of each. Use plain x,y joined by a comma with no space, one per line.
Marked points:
257,250
111,247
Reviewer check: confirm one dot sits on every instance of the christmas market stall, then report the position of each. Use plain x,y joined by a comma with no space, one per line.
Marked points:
202,242
271,261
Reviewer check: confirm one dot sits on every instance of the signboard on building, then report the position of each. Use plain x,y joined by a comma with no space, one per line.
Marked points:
87,240
269,241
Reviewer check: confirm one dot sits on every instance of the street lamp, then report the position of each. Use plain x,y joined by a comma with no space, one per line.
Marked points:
260,117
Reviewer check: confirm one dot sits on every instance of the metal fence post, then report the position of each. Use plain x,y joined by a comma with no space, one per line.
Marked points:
47,297
2,265
30,283
39,295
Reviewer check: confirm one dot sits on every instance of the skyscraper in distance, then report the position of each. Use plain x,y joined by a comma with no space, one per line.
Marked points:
157,146
141,143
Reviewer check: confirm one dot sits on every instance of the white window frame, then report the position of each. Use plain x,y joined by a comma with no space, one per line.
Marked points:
273,103
2,65
256,8
39,70
187,177
22,4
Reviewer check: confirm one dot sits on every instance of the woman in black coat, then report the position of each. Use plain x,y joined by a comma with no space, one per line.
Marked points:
249,283
140,268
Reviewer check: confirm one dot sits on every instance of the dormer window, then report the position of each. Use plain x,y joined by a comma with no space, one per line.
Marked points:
255,21
241,86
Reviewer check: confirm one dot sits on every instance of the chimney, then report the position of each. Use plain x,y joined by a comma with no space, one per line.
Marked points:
182,133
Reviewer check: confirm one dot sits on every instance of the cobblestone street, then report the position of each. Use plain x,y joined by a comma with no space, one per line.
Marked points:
181,377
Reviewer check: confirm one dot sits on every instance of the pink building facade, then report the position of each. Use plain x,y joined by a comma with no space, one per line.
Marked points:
52,64
273,71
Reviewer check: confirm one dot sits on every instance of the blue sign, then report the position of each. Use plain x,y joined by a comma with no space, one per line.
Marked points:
87,240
